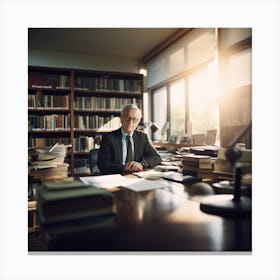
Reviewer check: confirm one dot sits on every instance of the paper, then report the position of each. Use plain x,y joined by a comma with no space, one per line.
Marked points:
145,185
117,180
149,173
104,181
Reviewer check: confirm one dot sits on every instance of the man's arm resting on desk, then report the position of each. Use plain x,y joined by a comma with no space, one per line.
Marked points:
150,156
110,154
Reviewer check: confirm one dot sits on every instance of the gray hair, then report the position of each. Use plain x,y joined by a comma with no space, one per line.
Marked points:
128,107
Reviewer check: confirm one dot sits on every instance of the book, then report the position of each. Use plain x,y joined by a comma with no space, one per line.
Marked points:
74,216
196,161
205,150
80,228
200,173
164,168
198,164
180,178
196,158
49,171
68,183
246,155
72,203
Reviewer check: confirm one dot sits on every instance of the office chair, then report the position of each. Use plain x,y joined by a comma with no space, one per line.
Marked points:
92,159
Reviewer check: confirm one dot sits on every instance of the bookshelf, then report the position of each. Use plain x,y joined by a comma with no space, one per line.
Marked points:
236,91
76,107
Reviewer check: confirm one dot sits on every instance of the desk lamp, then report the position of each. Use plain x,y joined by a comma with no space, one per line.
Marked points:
154,126
238,206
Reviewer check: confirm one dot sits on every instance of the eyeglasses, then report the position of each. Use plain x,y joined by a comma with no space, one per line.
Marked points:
129,119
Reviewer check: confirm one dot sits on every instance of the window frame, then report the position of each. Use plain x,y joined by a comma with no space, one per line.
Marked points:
184,75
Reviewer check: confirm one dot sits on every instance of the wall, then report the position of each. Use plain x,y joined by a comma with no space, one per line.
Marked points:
81,61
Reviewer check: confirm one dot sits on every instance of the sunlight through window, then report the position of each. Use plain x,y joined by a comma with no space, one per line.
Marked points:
203,89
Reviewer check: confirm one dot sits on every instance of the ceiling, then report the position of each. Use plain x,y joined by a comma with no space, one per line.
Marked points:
127,42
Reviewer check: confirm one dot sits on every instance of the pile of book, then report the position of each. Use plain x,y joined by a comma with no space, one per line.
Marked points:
197,165
47,163
70,207
223,168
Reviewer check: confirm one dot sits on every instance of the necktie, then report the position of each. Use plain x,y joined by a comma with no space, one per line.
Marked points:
129,155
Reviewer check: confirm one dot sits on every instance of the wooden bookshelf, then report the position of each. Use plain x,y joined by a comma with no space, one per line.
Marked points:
76,107
236,101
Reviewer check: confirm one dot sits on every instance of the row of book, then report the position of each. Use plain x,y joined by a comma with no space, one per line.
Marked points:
83,143
86,122
49,122
106,84
71,210
81,165
44,80
46,101
104,103
91,83
81,122
41,142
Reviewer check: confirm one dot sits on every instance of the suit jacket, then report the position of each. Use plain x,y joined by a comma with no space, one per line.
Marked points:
110,155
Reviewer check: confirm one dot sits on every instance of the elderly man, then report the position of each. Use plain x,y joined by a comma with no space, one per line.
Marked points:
127,149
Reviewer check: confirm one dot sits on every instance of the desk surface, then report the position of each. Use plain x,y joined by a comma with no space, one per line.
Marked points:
162,220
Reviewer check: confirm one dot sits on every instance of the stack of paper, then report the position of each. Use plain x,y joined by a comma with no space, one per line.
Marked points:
117,180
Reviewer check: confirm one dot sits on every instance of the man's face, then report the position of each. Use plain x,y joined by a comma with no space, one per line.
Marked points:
130,120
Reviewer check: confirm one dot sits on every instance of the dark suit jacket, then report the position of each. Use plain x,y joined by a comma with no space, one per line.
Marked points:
110,153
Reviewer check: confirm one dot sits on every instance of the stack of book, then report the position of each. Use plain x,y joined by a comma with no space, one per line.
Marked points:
68,207
49,171
47,163
197,165
223,168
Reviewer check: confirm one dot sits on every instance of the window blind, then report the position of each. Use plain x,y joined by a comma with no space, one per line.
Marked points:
194,48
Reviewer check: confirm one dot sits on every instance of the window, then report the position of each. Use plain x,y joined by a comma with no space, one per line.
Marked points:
203,89
239,69
192,81
159,111
200,110
177,108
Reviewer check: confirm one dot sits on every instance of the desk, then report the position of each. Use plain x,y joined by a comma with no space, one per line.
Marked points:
162,220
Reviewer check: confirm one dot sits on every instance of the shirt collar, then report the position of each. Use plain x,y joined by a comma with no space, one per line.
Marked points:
124,134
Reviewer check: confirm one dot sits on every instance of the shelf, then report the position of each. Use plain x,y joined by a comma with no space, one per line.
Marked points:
81,153
98,111
97,130
49,90
49,131
109,93
49,110
86,102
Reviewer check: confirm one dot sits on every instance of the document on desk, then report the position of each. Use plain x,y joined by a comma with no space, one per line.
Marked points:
149,173
117,180
104,181
141,184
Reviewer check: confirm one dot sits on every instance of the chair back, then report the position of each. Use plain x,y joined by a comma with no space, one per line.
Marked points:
92,159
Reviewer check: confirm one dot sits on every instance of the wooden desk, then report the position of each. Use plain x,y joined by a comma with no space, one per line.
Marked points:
161,220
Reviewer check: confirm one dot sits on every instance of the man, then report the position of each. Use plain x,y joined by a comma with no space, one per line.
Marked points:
119,153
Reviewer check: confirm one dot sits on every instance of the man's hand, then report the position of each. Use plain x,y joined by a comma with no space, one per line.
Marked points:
133,166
